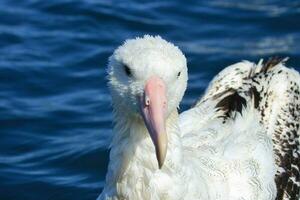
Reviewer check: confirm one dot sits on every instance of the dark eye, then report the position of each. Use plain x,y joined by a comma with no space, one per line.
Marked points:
127,70
178,74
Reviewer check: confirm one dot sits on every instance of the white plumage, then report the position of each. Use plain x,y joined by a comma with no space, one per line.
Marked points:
222,148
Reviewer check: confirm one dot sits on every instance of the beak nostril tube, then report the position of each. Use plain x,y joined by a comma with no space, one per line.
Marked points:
147,100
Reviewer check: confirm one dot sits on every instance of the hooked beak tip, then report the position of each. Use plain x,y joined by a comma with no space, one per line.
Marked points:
161,151
160,165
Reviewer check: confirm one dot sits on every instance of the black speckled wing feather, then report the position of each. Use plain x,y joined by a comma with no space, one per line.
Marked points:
274,89
279,106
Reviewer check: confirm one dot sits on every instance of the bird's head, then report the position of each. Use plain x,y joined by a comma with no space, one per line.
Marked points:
147,79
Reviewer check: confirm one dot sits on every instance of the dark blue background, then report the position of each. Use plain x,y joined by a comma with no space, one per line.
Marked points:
55,114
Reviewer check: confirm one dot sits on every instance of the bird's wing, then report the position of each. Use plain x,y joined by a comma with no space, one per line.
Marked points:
274,91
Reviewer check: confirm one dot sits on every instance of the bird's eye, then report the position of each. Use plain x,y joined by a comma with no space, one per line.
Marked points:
178,74
127,70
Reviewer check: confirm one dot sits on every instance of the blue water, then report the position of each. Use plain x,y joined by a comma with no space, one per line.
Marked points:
55,114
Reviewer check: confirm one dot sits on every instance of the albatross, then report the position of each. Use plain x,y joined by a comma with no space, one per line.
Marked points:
239,141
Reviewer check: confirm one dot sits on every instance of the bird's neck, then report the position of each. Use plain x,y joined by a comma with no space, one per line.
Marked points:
133,164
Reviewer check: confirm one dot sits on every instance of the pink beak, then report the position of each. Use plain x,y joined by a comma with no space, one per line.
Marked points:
153,105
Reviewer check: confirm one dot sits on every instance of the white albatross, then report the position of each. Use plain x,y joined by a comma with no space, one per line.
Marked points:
239,142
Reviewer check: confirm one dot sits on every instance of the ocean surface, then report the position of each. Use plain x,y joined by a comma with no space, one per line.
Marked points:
55,112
